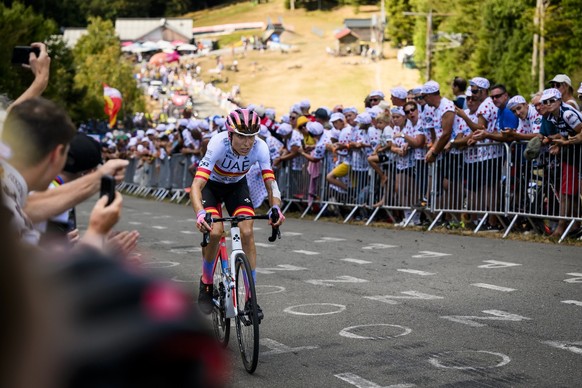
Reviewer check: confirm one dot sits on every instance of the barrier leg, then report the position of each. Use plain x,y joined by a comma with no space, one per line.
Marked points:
371,218
306,211
570,225
512,223
436,219
287,207
321,211
351,214
483,220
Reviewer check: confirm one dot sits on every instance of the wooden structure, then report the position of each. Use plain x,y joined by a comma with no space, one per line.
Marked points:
348,43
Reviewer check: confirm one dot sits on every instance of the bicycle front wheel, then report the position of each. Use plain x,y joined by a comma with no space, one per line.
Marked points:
220,322
247,320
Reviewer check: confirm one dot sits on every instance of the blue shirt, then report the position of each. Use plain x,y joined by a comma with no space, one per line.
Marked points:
506,119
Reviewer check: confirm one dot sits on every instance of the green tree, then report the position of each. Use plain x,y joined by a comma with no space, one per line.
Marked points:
98,60
400,28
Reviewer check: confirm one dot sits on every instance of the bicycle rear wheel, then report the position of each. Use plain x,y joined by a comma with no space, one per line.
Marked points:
220,323
247,321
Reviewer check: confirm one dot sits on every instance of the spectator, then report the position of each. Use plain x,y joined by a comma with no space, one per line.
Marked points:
458,87
375,97
398,96
563,83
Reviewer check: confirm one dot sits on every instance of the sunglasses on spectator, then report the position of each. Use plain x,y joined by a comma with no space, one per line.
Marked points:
292,117
302,126
419,98
409,111
555,84
374,99
475,91
550,101
496,96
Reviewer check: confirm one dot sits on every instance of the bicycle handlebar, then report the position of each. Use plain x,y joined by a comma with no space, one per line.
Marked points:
276,233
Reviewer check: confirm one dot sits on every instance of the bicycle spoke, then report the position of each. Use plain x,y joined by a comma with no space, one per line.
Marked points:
247,325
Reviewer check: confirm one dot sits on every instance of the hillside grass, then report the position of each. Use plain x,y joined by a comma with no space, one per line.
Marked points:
279,80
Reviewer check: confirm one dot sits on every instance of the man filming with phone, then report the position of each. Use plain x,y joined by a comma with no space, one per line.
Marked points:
40,66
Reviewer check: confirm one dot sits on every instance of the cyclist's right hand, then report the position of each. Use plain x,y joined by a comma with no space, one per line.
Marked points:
201,223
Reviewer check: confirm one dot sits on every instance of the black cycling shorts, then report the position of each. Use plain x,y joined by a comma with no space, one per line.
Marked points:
235,196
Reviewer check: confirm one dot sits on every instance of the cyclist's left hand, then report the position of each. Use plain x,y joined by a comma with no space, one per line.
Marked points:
281,219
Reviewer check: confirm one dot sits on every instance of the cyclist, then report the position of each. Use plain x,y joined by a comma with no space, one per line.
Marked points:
220,178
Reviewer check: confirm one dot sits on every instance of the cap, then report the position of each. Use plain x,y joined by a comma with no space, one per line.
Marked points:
337,116
84,154
315,128
514,101
192,124
270,113
260,110
350,109
548,94
183,122
203,125
480,82
374,111
399,92
296,109
132,142
383,105
301,120
264,131
285,119
397,110
305,104
430,87
150,131
532,150
562,78
321,113
284,129
363,118
376,93
160,128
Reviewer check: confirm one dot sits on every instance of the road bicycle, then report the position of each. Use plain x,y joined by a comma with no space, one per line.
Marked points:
234,290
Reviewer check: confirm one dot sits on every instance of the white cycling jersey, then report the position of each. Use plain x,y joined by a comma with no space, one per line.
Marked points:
221,164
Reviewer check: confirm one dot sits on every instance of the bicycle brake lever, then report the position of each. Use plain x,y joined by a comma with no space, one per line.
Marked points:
275,234
206,235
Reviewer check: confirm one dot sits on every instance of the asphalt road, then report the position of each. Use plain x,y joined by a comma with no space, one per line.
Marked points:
350,305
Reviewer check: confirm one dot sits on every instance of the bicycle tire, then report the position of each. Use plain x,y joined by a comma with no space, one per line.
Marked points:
247,321
220,323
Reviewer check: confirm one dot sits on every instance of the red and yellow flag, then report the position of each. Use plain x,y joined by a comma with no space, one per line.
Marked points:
113,102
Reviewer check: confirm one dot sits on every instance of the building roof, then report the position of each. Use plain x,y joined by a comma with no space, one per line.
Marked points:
136,28
72,35
345,32
358,23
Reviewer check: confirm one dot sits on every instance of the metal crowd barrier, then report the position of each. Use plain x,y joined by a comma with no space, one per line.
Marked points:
489,180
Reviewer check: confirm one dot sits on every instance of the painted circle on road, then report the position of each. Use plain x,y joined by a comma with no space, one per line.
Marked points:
178,280
376,331
160,264
314,307
468,360
267,290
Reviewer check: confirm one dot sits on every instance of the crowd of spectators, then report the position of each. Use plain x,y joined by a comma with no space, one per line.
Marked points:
399,138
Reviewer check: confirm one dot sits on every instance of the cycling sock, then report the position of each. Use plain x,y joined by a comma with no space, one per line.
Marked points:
254,275
207,271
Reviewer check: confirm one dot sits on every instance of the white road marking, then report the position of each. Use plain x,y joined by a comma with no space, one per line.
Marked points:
416,272
273,289
348,334
280,267
566,345
498,315
188,220
357,261
134,223
187,232
160,264
264,245
289,234
185,251
279,348
160,217
178,280
493,287
434,361
360,382
308,253
574,302
159,227
497,264
166,242
577,279
379,246
329,239
410,295
291,310
340,279
427,254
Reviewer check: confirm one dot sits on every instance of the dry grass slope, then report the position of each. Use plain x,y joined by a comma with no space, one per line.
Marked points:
278,80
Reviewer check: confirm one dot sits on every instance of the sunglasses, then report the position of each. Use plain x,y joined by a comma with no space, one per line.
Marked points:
496,96
555,84
302,126
293,117
409,111
419,98
475,91
550,101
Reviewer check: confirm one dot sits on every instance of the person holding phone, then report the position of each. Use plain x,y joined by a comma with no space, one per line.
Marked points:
40,66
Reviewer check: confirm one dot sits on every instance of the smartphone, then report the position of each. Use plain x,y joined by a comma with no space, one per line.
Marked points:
108,188
21,54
